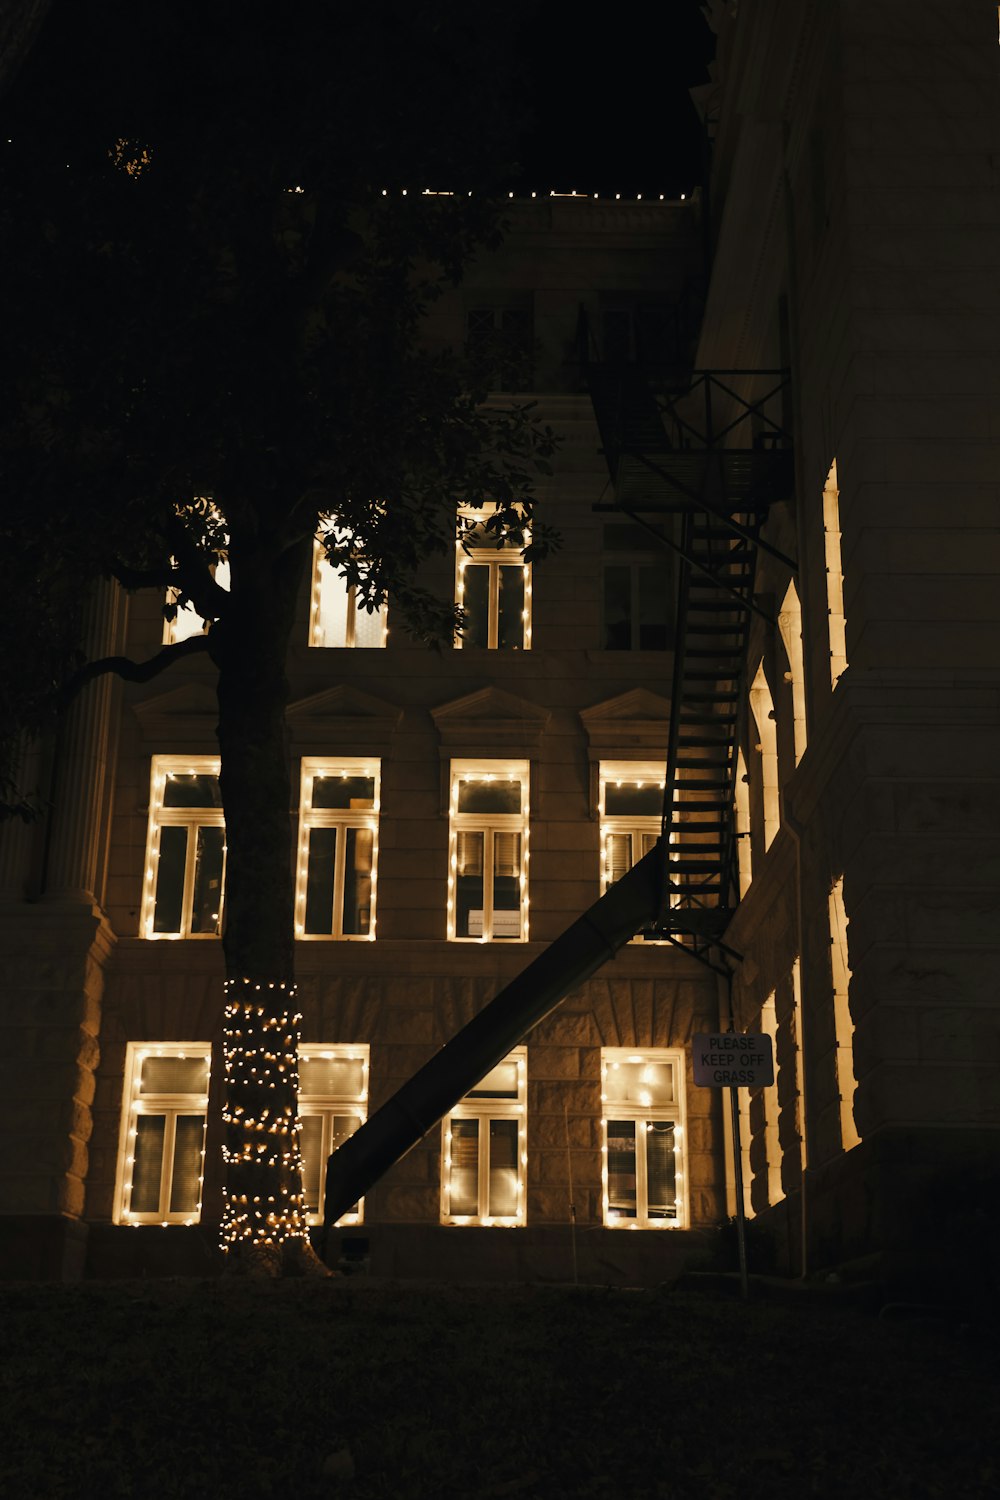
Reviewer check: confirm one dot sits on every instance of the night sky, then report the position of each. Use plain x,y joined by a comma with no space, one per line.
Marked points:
613,113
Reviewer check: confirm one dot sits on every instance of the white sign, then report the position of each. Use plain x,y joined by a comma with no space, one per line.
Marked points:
726,1059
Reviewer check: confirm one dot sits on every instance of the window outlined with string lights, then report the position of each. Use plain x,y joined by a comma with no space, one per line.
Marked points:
184,878
161,1156
484,1154
492,584
643,1115
337,865
336,617
630,809
333,1104
488,851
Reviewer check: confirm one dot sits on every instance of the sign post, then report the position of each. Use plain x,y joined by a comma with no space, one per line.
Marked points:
727,1059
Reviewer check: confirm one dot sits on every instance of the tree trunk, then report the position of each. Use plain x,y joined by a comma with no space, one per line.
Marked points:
263,1227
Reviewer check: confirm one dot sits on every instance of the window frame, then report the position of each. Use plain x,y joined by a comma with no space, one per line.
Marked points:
169,1106
493,558
674,1114
485,1111
638,556
172,635
317,630
162,768
326,1107
488,824
637,826
341,819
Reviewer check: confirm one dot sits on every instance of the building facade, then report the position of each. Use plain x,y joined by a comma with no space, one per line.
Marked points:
456,811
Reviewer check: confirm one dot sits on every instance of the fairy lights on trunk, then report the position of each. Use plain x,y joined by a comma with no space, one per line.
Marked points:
263,1160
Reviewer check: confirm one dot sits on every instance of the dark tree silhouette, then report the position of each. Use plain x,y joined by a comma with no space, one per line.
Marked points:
212,327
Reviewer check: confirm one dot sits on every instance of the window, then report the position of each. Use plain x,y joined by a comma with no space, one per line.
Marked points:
772,1107
643,1109
790,626
185,849
210,524
834,577
843,1023
333,1103
338,849
631,812
487,880
638,592
484,1149
762,709
493,586
335,617
500,340
161,1161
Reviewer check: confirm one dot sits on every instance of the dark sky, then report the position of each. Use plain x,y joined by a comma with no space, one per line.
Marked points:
613,112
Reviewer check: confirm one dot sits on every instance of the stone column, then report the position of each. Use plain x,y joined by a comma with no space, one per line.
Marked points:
85,757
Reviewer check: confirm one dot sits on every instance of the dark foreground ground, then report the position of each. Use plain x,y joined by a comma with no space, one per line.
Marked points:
353,1389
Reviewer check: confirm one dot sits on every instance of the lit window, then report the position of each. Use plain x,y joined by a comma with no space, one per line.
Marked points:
338,849
333,1103
335,616
643,1125
484,1149
187,621
161,1163
493,586
772,1107
843,1024
834,576
631,812
487,880
185,849
790,625
744,852
638,591
762,709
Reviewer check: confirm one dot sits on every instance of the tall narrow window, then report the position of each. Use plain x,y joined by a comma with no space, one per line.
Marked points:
643,1125
187,621
161,1161
336,618
744,853
638,592
631,812
484,1149
333,1103
843,1024
338,849
487,881
790,625
769,1096
834,576
185,849
493,586
762,708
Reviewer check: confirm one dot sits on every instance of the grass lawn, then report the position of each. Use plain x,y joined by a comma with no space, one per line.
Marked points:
353,1388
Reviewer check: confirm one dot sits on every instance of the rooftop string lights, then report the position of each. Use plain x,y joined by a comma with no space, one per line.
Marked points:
264,1200
552,193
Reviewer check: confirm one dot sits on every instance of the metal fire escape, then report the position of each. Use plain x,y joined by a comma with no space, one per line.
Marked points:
697,468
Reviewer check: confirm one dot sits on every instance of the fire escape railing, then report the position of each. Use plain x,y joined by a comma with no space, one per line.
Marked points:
698,469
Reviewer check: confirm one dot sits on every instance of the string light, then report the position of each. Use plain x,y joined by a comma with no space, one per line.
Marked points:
264,1202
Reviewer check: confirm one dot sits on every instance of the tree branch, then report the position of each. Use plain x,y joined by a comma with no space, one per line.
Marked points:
133,671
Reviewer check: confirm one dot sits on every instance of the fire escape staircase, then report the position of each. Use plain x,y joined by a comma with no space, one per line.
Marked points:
697,469
678,472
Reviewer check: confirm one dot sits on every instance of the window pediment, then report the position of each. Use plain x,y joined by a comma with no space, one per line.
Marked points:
490,720
343,717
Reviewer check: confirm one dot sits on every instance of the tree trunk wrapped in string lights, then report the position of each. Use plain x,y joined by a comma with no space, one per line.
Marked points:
263,1208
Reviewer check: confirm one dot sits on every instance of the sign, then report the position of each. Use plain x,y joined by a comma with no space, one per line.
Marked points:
726,1059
